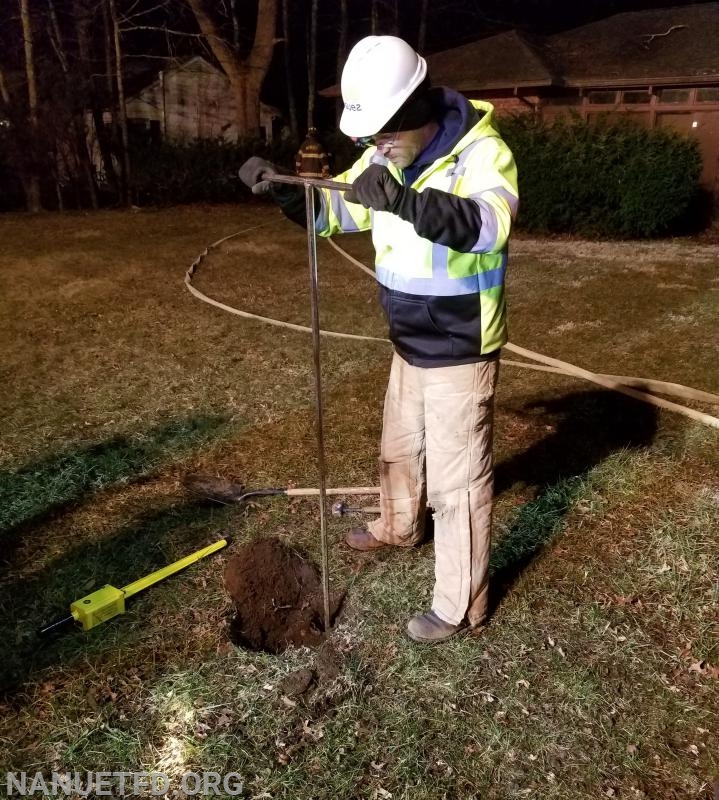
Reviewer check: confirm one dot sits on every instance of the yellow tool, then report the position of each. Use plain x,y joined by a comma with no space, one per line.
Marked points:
108,602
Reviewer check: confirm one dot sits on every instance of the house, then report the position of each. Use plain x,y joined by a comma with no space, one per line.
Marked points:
660,67
190,100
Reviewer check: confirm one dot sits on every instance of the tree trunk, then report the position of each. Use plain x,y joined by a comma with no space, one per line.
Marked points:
422,35
291,103
76,93
108,142
312,66
31,178
245,75
342,48
121,105
374,20
235,25
83,22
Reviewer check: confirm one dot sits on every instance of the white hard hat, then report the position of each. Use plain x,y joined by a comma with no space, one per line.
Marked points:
381,72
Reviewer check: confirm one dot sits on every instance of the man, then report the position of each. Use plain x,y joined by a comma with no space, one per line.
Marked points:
311,160
438,187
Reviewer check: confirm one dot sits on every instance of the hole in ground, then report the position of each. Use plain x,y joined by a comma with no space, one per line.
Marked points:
277,592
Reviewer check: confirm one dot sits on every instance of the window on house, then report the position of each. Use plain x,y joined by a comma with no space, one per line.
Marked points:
674,95
708,95
601,98
640,117
635,97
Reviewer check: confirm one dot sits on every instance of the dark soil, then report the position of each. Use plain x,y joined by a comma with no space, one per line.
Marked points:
278,597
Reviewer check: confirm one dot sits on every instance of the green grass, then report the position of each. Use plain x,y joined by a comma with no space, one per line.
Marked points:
44,486
594,676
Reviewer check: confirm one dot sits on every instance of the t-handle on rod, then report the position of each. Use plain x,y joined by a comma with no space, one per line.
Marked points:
319,183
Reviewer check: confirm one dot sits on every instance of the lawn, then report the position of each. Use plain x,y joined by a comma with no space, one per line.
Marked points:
598,673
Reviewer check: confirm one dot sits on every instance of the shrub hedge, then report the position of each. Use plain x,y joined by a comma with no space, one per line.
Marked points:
607,177
199,170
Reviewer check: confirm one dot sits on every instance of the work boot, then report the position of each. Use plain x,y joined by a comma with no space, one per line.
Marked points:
429,628
362,539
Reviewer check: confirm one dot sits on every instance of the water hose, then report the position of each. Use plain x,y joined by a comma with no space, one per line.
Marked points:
627,385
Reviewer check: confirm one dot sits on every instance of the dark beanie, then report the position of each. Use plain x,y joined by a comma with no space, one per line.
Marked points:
416,111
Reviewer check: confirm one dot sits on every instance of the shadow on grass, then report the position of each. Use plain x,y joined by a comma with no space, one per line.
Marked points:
588,428
151,541
35,492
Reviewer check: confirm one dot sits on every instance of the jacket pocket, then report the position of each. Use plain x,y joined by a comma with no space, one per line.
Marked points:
430,327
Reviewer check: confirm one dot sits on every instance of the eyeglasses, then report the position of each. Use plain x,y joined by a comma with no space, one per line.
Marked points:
382,141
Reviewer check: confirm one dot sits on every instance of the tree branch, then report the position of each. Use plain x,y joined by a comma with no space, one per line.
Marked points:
650,36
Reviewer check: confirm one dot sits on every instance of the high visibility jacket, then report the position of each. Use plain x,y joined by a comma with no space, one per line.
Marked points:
444,306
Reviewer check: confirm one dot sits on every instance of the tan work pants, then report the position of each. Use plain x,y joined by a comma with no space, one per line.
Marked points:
437,449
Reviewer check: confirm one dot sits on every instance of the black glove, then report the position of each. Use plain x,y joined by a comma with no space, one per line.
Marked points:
376,188
255,173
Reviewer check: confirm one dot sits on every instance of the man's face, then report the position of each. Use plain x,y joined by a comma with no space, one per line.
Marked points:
401,148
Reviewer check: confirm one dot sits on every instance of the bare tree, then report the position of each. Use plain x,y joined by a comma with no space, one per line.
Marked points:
110,90
395,17
245,74
122,117
31,178
312,65
76,94
342,48
422,35
235,25
94,97
291,104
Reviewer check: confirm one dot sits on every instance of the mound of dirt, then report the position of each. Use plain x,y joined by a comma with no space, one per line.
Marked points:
278,597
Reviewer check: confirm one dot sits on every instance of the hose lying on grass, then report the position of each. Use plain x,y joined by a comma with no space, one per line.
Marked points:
639,388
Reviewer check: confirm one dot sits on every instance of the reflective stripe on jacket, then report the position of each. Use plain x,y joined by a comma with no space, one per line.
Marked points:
443,306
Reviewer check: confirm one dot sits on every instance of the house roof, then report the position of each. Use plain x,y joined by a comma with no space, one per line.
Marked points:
147,80
507,59
678,45
667,45
147,75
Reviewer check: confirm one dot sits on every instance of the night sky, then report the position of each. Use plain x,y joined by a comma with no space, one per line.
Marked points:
450,23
